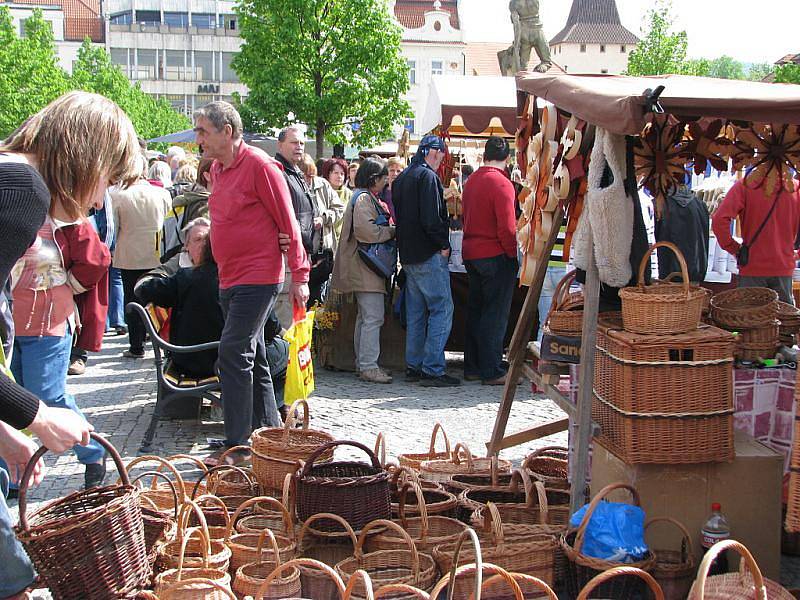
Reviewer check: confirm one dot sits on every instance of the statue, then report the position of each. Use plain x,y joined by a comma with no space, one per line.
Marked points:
528,35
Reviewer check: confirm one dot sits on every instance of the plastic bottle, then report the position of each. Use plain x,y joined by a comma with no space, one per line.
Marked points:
715,530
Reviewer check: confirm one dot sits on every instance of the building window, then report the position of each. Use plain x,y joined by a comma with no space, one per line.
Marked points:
176,19
203,20
409,126
22,23
122,18
227,22
204,66
228,74
602,47
175,65
148,17
178,101
119,56
146,64
623,49
200,100
412,71
583,47
437,67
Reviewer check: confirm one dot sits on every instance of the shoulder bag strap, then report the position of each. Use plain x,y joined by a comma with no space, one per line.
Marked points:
764,223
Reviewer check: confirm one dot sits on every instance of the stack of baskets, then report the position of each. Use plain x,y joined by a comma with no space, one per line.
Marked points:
789,317
753,314
663,384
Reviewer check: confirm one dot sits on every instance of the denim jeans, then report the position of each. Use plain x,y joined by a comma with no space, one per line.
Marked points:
491,288
429,314
248,397
116,299
16,572
39,364
551,279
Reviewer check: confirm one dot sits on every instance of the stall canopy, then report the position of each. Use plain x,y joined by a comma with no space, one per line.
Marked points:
617,103
187,137
471,106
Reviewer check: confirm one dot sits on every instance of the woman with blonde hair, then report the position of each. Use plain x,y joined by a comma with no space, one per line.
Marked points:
160,174
52,170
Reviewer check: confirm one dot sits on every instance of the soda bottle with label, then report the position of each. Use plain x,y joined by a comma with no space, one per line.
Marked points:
715,530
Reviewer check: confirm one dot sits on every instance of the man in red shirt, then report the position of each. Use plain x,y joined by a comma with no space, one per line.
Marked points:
490,255
771,251
249,206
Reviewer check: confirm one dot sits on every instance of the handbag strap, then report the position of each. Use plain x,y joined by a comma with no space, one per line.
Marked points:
764,223
378,207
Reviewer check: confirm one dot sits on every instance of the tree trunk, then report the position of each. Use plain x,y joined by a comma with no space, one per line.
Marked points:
320,137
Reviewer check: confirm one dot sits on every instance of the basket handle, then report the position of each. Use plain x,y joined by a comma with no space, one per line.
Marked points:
478,570
197,580
494,522
678,255
454,569
437,427
423,509
716,550
154,475
249,502
304,472
318,517
408,474
522,577
206,544
273,542
26,476
546,451
183,520
687,548
395,588
380,448
351,585
216,469
562,290
301,562
188,457
359,550
180,486
290,420
528,485
456,458
220,471
587,516
622,572
215,500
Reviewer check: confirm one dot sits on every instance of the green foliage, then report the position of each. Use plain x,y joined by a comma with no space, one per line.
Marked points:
696,66
787,74
329,62
94,72
29,73
758,71
726,67
661,51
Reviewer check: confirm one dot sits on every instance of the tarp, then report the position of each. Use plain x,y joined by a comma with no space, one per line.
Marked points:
187,137
471,105
617,103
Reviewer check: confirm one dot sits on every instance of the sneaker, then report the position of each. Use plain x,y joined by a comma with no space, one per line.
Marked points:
376,376
94,475
440,381
412,375
132,354
76,367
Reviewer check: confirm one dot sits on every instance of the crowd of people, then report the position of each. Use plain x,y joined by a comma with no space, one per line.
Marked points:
236,244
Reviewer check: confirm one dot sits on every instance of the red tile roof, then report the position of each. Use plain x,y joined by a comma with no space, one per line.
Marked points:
789,59
481,59
411,13
81,18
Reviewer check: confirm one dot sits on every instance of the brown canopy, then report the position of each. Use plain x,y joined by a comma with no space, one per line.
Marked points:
617,102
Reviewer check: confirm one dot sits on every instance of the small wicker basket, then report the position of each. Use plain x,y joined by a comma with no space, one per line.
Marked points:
415,460
566,315
606,581
461,462
250,577
744,308
675,569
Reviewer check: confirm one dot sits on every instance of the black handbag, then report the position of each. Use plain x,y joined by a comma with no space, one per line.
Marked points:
743,255
380,257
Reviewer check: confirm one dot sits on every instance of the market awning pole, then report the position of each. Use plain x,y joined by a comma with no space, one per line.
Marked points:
582,425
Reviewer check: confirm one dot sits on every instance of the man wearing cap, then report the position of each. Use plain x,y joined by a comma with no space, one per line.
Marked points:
423,236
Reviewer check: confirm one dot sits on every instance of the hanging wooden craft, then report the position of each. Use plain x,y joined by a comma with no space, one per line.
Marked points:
708,147
660,156
524,133
770,154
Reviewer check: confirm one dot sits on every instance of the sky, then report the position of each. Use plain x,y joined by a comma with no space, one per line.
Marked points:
748,30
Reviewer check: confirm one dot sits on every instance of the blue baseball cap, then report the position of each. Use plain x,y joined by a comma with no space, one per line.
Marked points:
432,142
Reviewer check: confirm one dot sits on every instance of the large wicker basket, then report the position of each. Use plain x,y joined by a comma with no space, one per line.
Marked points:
744,308
461,462
357,492
582,568
566,315
607,579
675,569
415,460
550,465
329,548
662,309
107,520
250,577
338,584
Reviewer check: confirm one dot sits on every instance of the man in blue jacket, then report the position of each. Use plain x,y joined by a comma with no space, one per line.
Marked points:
423,237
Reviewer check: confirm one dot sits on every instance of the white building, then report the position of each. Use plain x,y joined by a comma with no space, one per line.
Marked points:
180,50
593,40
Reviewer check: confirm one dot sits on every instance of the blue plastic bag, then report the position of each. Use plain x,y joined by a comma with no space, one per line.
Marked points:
615,532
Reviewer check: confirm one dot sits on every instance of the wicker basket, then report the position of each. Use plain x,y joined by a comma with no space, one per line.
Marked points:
414,460
357,492
389,566
675,569
508,582
225,480
277,450
792,522
160,493
269,515
107,519
442,470
744,308
464,481
197,589
662,309
310,563
405,499
566,314
189,481
214,510
165,579
550,465
328,548
582,568
170,553
246,547
391,590
607,579
159,526
734,586
251,576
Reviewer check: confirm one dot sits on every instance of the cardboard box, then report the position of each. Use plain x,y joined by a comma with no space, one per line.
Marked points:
749,489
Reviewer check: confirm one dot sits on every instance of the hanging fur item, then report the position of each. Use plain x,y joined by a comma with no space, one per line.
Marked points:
609,213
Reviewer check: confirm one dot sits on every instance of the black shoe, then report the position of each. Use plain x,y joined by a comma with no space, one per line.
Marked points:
94,475
13,494
413,376
471,377
133,354
440,381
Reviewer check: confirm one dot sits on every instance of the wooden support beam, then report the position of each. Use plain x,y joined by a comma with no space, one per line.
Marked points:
534,433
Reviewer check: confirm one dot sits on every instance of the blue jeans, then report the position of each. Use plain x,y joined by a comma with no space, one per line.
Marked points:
248,396
116,301
491,289
17,571
551,279
429,314
39,364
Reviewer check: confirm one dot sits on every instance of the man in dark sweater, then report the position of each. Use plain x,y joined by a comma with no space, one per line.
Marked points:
423,236
490,255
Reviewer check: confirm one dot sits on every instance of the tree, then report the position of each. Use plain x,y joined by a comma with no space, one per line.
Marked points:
787,74
726,67
759,71
661,51
30,76
94,72
329,62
